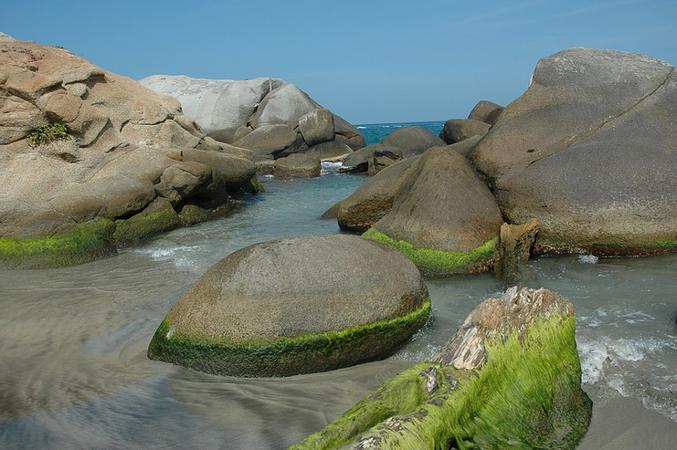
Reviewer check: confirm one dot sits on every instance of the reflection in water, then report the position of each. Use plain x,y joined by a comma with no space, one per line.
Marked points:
73,340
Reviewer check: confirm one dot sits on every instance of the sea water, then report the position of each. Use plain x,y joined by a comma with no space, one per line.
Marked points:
375,133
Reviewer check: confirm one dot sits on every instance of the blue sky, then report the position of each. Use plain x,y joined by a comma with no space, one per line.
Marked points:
370,61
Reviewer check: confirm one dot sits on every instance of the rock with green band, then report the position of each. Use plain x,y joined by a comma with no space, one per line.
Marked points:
510,377
297,305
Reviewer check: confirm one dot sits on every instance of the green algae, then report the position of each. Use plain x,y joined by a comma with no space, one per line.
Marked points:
192,214
527,395
86,242
143,226
311,352
439,262
97,239
667,244
255,185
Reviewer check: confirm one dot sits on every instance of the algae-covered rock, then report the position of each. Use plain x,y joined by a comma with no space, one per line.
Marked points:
84,242
295,305
510,377
157,217
445,219
81,147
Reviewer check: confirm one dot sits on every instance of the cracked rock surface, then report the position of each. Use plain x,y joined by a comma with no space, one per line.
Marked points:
590,149
126,145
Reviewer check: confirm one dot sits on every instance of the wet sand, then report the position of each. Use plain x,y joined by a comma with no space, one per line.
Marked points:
624,423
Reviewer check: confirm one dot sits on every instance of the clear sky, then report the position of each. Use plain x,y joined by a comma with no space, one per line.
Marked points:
369,61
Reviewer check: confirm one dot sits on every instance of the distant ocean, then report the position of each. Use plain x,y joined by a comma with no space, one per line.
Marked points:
376,132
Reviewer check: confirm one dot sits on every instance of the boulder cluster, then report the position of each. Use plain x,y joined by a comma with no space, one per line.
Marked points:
583,162
90,160
425,198
272,118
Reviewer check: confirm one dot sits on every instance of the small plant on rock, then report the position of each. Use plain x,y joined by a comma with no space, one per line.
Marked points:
47,134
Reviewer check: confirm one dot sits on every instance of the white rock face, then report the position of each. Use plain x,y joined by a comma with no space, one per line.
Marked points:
6,37
223,107
218,106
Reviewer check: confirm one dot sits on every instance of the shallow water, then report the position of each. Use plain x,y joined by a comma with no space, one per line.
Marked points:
73,340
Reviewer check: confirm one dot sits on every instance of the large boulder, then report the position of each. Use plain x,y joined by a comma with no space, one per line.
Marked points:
446,220
229,109
268,140
297,305
457,130
375,197
486,111
589,151
286,104
381,159
384,157
510,377
466,146
414,140
353,136
317,126
297,165
331,149
83,149
358,161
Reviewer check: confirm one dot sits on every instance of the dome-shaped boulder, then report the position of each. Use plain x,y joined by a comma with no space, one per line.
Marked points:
296,305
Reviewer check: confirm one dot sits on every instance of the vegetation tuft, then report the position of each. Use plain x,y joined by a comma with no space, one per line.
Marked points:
47,134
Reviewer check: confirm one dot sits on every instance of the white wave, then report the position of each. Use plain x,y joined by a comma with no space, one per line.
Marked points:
182,256
330,167
597,354
422,354
588,259
593,358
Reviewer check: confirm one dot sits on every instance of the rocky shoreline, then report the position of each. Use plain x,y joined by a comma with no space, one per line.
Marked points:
583,162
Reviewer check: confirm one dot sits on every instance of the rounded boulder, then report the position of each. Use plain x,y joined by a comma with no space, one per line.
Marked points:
297,305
